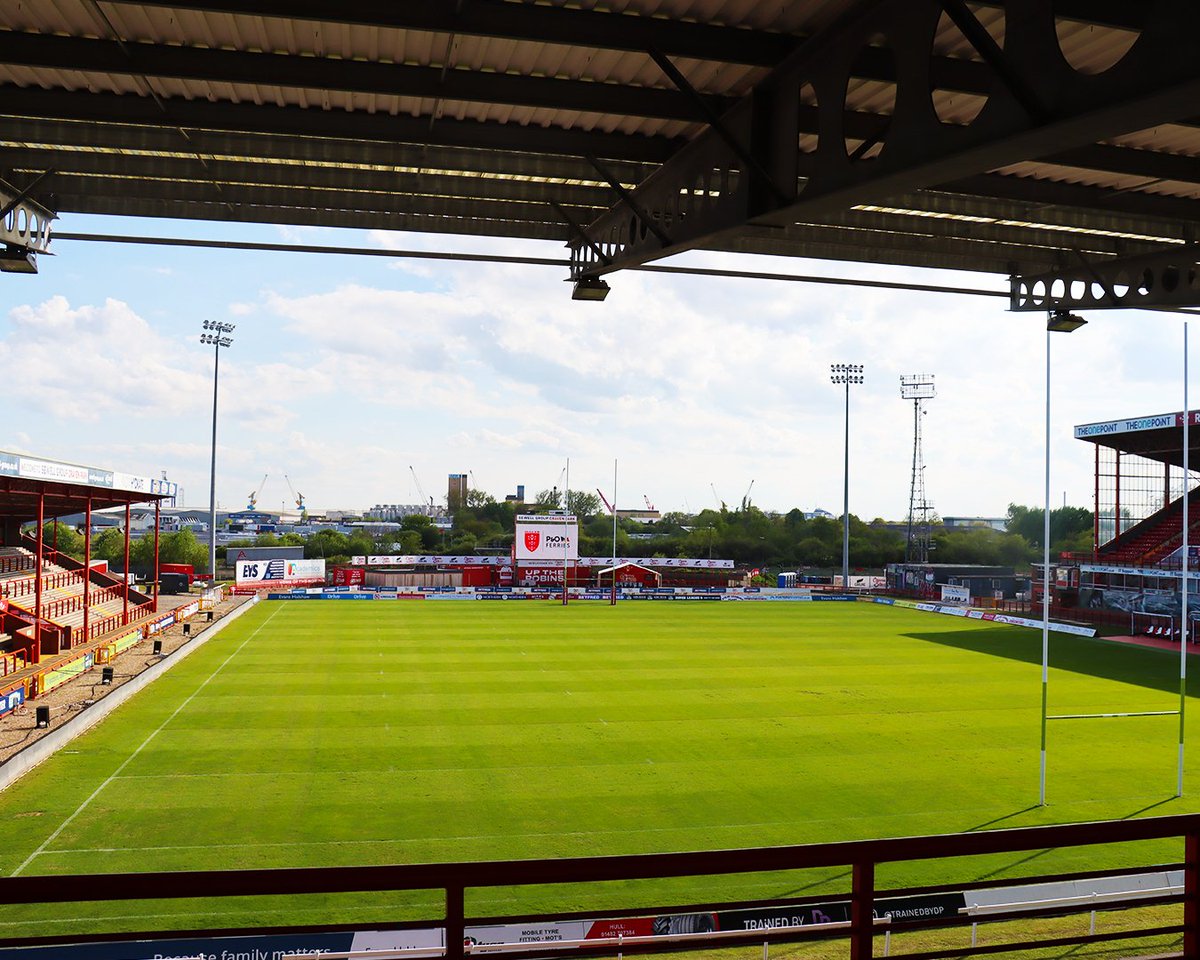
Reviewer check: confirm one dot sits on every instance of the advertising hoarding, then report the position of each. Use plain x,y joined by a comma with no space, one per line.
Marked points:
277,572
543,539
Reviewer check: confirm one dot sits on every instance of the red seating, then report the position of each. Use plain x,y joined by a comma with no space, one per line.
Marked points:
1156,537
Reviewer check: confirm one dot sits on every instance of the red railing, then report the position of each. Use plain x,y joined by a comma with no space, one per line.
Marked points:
98,628
857,859
15,563
27,586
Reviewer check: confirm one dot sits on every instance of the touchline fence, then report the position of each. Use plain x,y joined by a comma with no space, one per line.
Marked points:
858,858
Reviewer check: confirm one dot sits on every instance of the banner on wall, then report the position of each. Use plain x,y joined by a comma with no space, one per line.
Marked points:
955,594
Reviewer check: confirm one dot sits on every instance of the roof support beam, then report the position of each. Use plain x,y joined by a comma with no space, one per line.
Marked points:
702,191
254,118
539,23
132,168
349,76
126,140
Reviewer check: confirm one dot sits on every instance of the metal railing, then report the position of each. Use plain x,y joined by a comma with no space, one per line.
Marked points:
860,858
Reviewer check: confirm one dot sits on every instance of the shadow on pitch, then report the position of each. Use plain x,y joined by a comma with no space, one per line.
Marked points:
1106,660
1007,816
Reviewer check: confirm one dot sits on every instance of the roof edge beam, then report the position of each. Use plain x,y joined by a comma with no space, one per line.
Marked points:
1168,278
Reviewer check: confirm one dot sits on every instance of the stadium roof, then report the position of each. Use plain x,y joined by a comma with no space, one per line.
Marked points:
1158,437
1004,136
67,487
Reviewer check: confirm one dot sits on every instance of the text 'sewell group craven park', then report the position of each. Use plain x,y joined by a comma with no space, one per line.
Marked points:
836,247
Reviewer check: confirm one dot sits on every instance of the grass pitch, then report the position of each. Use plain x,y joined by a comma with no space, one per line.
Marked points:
313,734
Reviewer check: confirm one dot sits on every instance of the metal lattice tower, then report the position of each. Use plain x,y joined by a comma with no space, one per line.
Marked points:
917,387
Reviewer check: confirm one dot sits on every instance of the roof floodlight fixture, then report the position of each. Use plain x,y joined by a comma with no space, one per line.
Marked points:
17,260
590,288
1063,321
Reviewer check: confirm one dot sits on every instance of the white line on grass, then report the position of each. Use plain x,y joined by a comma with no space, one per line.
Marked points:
133,756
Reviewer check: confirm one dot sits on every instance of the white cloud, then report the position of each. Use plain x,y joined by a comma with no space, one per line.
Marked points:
690,381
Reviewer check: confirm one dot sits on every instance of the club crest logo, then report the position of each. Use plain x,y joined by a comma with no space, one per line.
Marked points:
532,539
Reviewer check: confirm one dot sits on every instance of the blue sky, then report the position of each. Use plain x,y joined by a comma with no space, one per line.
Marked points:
347,370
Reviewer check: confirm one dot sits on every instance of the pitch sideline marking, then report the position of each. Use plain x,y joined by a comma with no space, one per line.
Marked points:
133,756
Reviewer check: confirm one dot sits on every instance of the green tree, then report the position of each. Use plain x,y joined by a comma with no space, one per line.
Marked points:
69,541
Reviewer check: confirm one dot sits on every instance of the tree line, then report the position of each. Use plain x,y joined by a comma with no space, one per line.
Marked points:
746,535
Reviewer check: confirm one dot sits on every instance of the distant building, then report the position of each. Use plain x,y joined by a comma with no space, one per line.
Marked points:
818,513
639,516
456,490
398,511
960,523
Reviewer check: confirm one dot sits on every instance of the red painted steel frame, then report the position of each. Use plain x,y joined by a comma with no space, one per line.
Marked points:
157,524
125,609
87,569
37,573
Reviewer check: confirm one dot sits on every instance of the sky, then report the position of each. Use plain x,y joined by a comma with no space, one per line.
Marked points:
347,371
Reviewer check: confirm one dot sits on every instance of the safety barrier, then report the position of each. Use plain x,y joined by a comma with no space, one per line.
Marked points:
858,915
12,662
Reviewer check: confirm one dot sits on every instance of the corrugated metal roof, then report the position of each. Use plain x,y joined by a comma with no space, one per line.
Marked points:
277,102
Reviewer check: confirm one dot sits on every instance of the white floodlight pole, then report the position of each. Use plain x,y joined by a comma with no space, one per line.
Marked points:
846,373
1186,569
1060,321
219,337
566,513
1045,585
614,545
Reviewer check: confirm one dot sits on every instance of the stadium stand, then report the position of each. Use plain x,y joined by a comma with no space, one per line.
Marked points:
63,592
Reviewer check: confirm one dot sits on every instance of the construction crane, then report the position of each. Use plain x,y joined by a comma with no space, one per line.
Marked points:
720,502
298,497
252,499
421,489
746,496
604,500
649,505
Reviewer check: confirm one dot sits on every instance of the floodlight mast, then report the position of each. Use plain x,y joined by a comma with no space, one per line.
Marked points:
218,337
917,387
846,373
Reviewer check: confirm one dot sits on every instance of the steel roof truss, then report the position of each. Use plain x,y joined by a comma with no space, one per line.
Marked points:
24,223
1166,278
702,192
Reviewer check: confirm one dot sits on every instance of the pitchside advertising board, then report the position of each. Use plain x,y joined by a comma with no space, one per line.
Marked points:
276,572
429,942
542,538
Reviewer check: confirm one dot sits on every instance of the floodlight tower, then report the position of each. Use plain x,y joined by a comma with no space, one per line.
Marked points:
917,387
846,373
218,337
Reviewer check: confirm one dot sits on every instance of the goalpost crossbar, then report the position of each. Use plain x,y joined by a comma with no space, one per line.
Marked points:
1103,716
